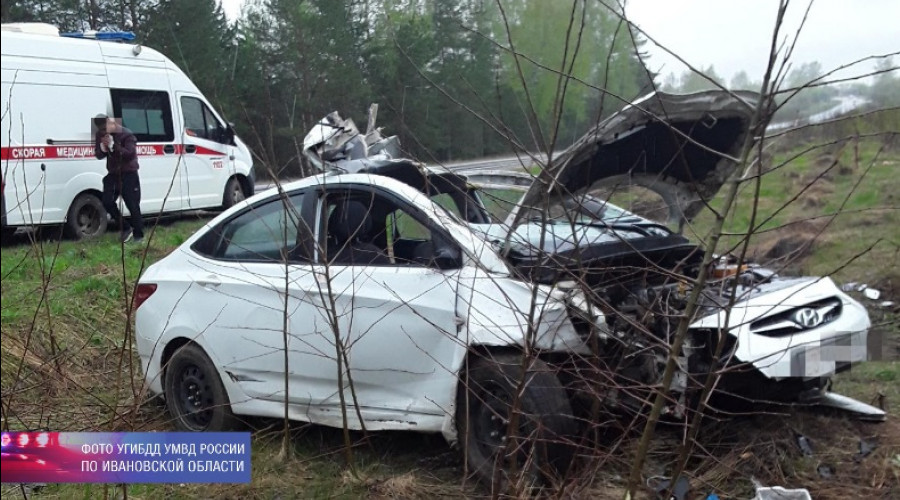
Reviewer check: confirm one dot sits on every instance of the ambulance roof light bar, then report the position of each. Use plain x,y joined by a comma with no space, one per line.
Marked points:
111,36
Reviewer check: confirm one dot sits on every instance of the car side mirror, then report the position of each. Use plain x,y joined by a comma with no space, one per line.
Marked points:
447,257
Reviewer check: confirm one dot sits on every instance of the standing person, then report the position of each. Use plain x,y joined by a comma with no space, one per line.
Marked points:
119,146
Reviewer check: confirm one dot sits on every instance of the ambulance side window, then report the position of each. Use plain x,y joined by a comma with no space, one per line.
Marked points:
146,113
199,121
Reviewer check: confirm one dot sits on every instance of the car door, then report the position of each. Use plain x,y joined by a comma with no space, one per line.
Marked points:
241,274
393,323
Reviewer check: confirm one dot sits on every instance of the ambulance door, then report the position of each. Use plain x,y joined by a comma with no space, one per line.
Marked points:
148,114
206,152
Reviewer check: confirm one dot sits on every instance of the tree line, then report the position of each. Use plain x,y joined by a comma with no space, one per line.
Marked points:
454,79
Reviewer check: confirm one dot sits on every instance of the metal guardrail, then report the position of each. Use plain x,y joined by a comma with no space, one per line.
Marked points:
520,162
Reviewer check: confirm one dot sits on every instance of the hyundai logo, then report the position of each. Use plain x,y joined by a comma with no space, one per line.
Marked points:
807,318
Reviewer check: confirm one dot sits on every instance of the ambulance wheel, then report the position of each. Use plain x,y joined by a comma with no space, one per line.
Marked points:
86,217
234,192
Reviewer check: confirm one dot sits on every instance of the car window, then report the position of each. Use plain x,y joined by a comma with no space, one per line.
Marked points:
214,128
446,201
192,110
369,229
146,113
499,202
402,226
199,120
410,241
272,231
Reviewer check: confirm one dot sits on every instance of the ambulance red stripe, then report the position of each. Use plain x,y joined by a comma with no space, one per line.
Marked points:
86,151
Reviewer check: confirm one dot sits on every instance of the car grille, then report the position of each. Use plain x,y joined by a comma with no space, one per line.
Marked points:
798,319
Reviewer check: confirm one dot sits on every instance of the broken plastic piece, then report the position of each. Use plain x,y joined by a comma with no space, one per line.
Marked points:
805,445
887,303
872,293
679,490
825,471
849,287
862,410
866,447
780,493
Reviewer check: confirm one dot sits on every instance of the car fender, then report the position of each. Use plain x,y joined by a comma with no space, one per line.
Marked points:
154,366
498,312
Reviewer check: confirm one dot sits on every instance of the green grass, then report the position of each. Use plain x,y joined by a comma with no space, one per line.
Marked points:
855,207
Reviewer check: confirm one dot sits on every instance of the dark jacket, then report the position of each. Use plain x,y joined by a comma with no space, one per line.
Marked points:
123,157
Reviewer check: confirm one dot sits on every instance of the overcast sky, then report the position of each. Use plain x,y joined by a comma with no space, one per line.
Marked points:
734,35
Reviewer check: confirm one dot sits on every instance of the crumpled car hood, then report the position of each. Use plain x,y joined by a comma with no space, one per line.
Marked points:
676,145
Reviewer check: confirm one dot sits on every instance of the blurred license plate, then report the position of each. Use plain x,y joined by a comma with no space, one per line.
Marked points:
809,363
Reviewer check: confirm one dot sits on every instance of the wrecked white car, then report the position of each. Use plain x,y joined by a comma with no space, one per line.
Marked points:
382,295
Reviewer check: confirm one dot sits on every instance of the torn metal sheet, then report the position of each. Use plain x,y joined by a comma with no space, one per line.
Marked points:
860,409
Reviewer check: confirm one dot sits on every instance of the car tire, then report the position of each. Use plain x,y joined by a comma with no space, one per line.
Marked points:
234,193
86,217
545,416
194,393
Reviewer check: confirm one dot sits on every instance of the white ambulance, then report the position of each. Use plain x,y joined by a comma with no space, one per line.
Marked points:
52,87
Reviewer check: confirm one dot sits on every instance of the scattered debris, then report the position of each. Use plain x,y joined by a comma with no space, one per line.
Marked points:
866,447
679,490
868,292
780,493
872,293
805,445
825,471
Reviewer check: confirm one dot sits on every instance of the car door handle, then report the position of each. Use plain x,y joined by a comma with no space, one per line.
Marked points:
190,148
168,149
210,281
